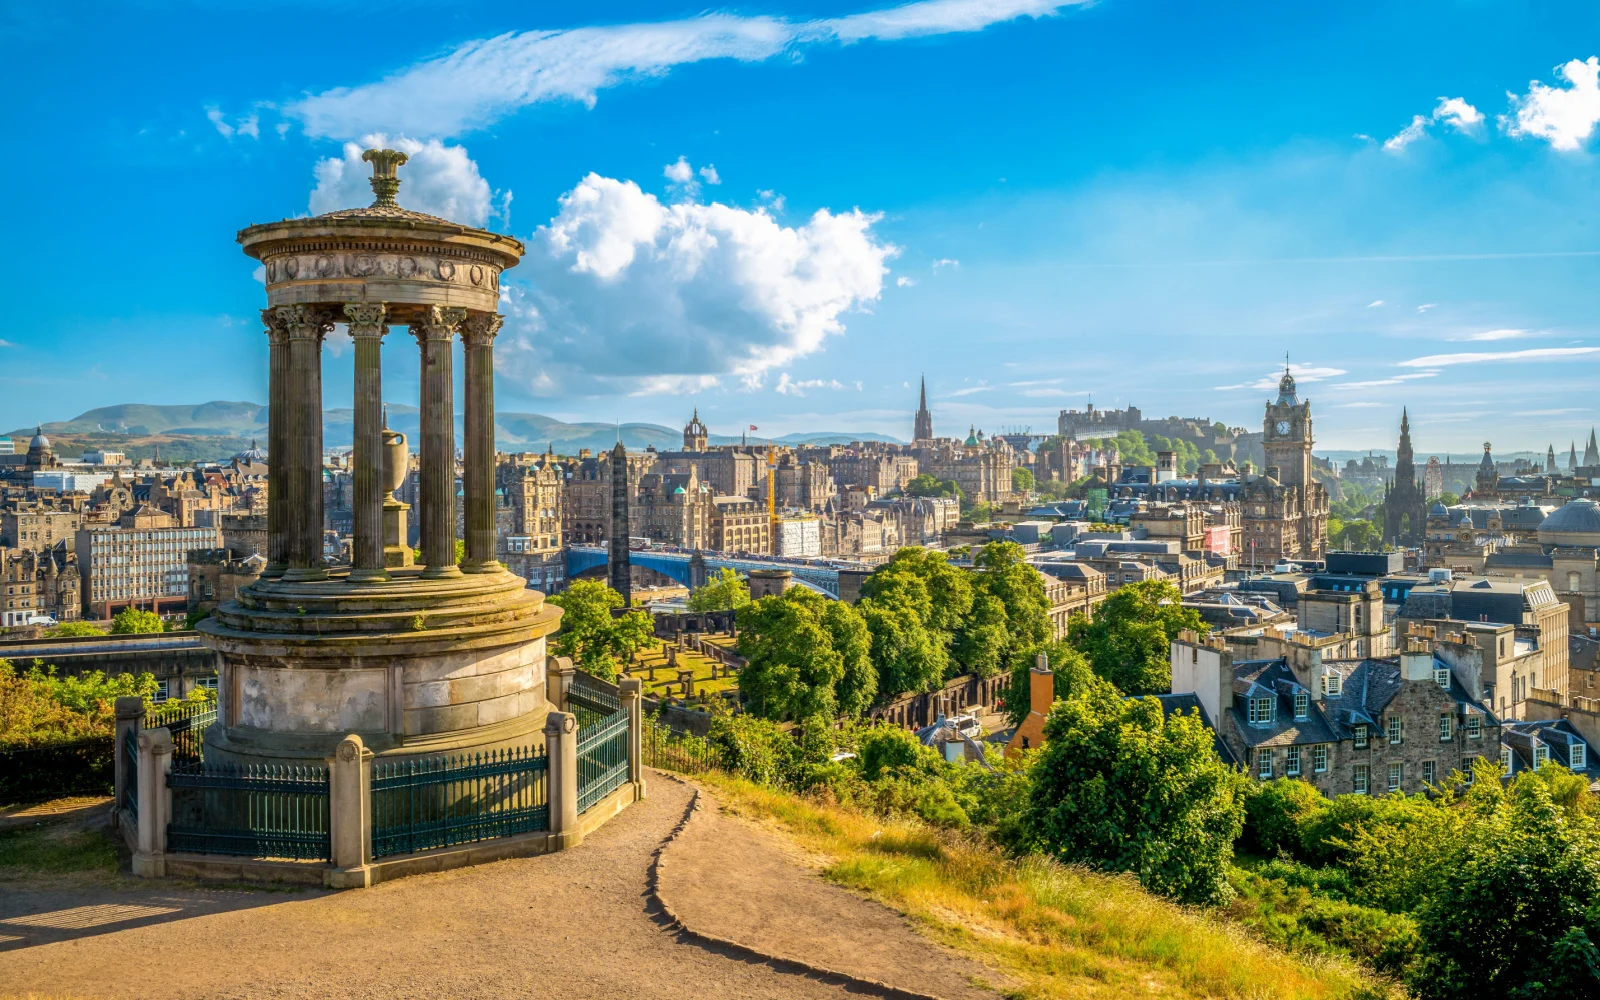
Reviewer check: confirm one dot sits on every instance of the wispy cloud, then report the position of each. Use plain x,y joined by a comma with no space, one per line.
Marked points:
1531,354
904,282
1375,304
1426,306
1454,112
1037,381
1547,413
971,390
1494,335
485,80
1393,380
789,387
6,343
945,262
1562,116
1301,373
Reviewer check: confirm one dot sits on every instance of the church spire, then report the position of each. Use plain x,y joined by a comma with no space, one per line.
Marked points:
922,427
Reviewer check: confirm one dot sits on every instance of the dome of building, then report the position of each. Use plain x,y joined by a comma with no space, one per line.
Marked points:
251,455
1438,509
1575,523
39,440
1286,391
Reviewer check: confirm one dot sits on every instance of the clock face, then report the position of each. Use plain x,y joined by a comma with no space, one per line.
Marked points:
1283,427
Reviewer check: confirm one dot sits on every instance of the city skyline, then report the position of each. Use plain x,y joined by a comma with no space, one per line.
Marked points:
784,216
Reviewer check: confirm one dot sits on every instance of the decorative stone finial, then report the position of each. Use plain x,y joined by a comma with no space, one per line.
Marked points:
384,182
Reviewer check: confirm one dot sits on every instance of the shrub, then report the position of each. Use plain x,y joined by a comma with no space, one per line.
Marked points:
1274,812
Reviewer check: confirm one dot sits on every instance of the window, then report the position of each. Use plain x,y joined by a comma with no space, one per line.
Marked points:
1302,705
1263,763
1394,729
1444,727
161,692
1505,758
1260,711
1396,772
1541,755
1332,683
1361,736
1441,677
1358,780
1291,762
1474,728
1427,772
209,683
1578,755
1319,758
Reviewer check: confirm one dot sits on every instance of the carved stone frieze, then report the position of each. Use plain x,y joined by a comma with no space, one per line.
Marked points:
314,266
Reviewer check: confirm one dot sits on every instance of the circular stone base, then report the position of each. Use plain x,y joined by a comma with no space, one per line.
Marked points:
416,667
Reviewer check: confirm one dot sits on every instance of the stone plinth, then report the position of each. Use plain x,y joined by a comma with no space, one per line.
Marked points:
413,666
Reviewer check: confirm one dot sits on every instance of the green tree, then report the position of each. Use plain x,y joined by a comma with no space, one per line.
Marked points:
1273,812
1121,786
929,485
795,670
1516,915
1022,480
1071,674
1359,535
1449,499
70,629
949,588
1129,639
1001,570
724,591
978,513
908,656
598,641
132,621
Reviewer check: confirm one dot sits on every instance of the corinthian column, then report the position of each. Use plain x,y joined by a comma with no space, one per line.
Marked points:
478,333
435,327
277,450
367,329
306,326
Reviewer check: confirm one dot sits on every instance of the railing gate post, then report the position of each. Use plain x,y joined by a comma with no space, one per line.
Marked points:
559,672
628,690
155,802
130,716
350,815
561,748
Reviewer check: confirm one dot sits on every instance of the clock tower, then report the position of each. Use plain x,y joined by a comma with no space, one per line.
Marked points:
1286,435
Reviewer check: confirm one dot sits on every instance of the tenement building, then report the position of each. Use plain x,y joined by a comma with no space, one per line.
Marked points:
1362,726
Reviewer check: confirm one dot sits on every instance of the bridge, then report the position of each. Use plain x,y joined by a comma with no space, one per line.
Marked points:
821,576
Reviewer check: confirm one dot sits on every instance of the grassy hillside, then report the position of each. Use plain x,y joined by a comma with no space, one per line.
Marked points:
1062,932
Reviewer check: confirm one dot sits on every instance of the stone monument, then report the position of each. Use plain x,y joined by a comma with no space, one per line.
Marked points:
415,659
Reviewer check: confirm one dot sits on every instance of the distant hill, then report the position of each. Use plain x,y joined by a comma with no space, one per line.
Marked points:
219,429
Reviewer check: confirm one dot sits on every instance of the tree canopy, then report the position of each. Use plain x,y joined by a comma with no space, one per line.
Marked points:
929,485
1128,641
1121,786
1021,480
726,590
132,621
808,656
70,629
598,642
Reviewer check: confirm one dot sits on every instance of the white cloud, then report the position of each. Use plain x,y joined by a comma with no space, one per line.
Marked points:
621,290
1406,136
945,262
709,174
1453,111
220,121
1392,380
904,282
6,343
1037,381
248,125
485,80
1562,116
788,387
1496,335
971,390
1375,304
1531,354
1301,373
679,172
1426,306
437,179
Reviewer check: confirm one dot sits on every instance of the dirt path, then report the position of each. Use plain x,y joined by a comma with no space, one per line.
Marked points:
727,880
580,923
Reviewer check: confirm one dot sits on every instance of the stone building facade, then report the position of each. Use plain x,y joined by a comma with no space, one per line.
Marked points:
1285,511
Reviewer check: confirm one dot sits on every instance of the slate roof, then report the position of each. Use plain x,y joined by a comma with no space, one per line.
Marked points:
1185,703
1557,734
1581,652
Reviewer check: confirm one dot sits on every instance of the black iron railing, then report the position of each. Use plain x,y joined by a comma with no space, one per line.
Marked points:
257,811
420,805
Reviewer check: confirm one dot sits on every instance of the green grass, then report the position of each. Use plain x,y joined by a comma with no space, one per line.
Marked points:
1054,931
55,849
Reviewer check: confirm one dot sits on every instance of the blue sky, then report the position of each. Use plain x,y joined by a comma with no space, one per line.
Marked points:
786,214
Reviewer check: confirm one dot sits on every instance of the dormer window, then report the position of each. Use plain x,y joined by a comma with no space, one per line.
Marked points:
1578,756
1361,735
1261,711
1302,705
1541,755
1332,684
1441,677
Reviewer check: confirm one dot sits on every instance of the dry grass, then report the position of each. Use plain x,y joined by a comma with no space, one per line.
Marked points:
1058,931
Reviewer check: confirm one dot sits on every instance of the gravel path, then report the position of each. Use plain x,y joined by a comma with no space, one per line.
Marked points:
579,923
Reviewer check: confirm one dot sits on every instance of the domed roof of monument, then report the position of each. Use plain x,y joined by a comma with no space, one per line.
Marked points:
1286,391
39,440
1438,509
1576,522
251,455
